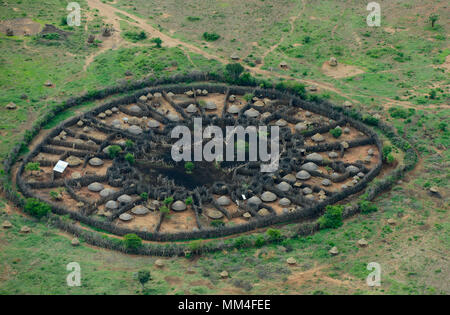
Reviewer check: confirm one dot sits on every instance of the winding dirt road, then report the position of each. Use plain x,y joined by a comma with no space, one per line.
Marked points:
109,13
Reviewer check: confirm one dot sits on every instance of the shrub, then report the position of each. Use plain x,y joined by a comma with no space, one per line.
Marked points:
336,132
233,71
130,158
132,241
114,150
247,97
195,246
367,207
129,144
332,217
210,37
135,36
144,195
188,201
167,201
370,120
55,195
274,235
143,277
164,210
402,113
241,242
217,223
193,18
51,36
32,166
260,241
390,159
36,208
292,86
386,151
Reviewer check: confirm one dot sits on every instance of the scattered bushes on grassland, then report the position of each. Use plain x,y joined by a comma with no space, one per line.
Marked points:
403,113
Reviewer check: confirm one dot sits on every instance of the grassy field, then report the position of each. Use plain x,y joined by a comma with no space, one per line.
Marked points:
402,62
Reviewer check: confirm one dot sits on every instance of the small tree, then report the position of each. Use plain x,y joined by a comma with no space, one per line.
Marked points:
144,276
433,19
36,208
332,217
114,150
234,70
132,241
189,167
390,159
167,201
32,166
158,41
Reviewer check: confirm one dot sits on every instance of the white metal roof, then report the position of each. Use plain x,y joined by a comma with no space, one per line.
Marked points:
60,167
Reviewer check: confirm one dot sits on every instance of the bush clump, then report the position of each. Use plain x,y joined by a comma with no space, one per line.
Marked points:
132,241
274,235
37,208
210,37
332,217
336,132
370,120
114,150
135,36
130,158
367,207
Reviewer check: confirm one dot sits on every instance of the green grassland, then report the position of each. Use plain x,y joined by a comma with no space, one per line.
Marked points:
403,66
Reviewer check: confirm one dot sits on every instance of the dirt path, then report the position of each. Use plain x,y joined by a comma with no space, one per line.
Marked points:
292,20
112,42
110,14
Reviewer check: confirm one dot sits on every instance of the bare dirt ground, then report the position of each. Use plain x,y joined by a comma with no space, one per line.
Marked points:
340,71
112,42
20,27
